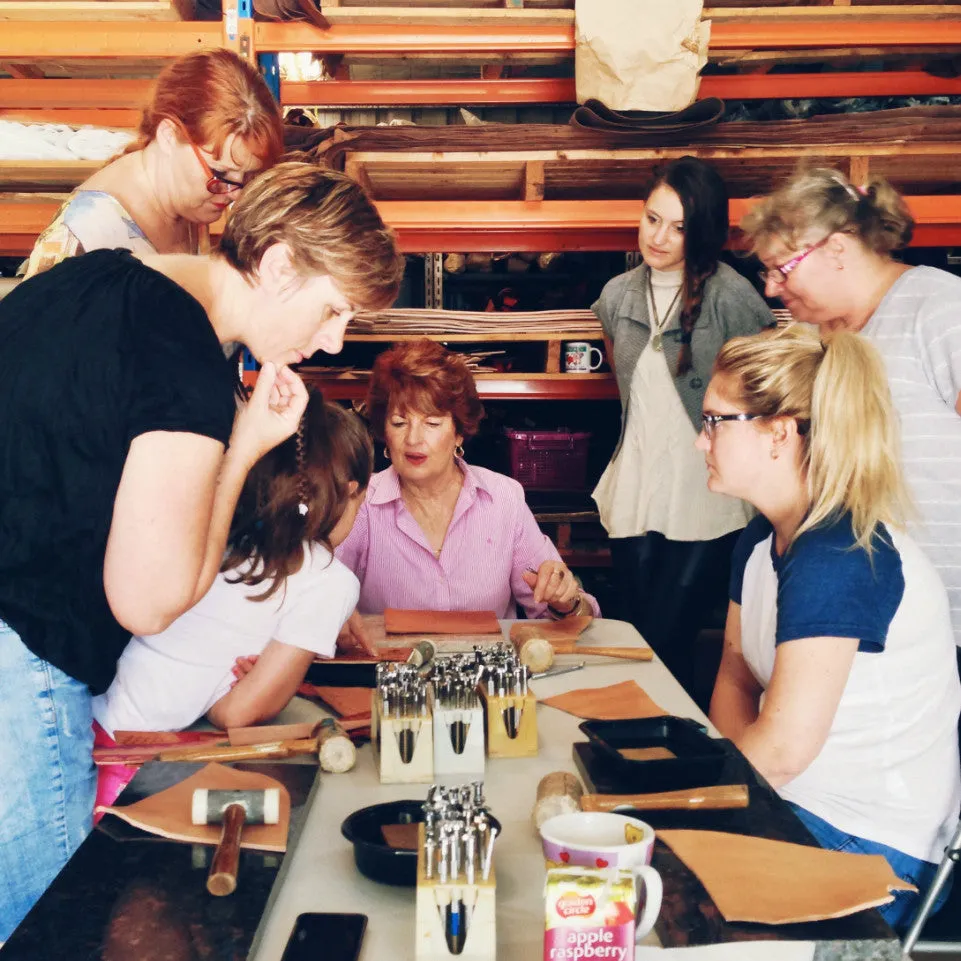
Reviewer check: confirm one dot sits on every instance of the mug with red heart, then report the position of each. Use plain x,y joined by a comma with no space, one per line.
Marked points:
601,839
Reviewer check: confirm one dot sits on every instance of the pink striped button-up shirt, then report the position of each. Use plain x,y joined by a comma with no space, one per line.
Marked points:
492,539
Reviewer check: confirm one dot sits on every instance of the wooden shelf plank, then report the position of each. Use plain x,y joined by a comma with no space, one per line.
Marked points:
374,93
425,226
21,40
489,386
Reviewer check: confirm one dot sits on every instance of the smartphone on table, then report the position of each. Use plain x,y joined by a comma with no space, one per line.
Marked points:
326,937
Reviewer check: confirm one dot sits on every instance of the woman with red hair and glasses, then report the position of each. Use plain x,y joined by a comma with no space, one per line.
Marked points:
211,125
437,533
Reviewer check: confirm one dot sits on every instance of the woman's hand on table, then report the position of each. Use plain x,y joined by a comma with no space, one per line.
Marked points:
354,638
554,584
271,415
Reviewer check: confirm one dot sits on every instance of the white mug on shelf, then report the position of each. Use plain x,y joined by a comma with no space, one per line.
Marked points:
577,357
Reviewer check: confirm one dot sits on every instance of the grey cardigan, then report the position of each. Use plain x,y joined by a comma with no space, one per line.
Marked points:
731,308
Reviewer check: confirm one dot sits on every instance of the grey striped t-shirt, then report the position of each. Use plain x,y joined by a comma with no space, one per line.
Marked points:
917,328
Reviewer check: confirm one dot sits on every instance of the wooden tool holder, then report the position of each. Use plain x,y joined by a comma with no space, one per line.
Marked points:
499,741
386,735
480,942
447,760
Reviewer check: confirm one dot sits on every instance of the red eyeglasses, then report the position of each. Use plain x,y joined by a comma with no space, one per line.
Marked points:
217,183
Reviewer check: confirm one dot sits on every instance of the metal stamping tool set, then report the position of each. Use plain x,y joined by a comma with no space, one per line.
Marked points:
401,726
510,705
458,716
455,875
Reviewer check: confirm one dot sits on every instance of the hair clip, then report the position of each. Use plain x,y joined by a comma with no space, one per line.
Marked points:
855,193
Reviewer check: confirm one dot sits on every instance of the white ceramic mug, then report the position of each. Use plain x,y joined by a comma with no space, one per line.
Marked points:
577,357
602,839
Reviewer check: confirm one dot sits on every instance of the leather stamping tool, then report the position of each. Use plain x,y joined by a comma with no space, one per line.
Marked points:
401,725
455,877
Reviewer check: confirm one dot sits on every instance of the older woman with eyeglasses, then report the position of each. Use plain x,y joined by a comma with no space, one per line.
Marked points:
211,125
827,246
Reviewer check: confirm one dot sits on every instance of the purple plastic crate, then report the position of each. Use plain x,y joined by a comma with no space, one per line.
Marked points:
548,459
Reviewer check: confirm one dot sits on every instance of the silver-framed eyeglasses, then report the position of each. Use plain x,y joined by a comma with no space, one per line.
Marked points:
779,273
709,422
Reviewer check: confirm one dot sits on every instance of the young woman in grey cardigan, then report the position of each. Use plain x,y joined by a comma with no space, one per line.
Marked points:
664,323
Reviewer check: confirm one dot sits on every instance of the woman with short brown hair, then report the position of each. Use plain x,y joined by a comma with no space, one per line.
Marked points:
437,533
122,457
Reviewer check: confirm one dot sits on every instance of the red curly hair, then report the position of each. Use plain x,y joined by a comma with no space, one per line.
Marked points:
422,375
212,94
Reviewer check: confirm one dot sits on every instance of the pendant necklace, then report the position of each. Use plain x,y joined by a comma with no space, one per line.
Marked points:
658,325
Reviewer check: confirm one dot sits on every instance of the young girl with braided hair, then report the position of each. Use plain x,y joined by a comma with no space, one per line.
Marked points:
664,323
281,594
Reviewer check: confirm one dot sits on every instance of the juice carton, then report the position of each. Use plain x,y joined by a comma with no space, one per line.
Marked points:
590,914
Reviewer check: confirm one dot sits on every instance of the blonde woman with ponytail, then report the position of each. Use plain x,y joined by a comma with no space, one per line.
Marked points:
838,678
664,323
828,248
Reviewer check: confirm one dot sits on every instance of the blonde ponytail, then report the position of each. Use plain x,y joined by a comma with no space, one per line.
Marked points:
838,394
854,458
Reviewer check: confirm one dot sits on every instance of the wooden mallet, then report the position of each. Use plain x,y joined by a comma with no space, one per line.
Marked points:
233,809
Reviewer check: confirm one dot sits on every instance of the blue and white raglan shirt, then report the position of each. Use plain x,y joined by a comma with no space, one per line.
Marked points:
889,769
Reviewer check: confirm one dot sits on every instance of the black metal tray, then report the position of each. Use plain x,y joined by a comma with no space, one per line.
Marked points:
698,758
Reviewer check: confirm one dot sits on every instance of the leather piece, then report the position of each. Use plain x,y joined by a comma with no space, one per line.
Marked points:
167,813
775,882
348,702
398,621
660,127
616,702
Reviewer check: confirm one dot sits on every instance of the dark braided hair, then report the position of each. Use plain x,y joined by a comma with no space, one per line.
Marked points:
704,199
296,494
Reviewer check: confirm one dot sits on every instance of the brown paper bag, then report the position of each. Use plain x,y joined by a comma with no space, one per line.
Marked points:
775,882
639,54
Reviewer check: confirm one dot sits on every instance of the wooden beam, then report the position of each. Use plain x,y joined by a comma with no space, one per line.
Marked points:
22,71
54,40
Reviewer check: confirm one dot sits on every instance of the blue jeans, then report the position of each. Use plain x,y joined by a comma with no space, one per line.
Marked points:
48,778
900,912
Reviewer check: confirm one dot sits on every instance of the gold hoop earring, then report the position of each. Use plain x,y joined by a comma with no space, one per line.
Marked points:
459,450
386,452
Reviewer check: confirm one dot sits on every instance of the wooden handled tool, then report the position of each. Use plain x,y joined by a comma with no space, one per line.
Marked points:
241,752
627,653
711,798
233,809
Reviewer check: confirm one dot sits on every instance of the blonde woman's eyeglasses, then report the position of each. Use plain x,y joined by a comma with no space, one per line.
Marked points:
709,422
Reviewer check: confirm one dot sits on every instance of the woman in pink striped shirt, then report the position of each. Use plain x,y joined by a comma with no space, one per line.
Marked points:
434,532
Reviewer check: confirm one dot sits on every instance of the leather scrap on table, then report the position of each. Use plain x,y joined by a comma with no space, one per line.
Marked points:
167,813
776,882
661,127
616,702
402,836
349,703
440,622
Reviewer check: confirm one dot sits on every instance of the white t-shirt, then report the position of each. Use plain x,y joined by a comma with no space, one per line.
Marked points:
889,769
167,681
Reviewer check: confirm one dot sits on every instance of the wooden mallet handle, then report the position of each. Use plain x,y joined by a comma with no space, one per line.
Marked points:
222,879
627,653
716,797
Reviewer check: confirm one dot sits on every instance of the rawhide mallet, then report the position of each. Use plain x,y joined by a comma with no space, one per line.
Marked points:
233,809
